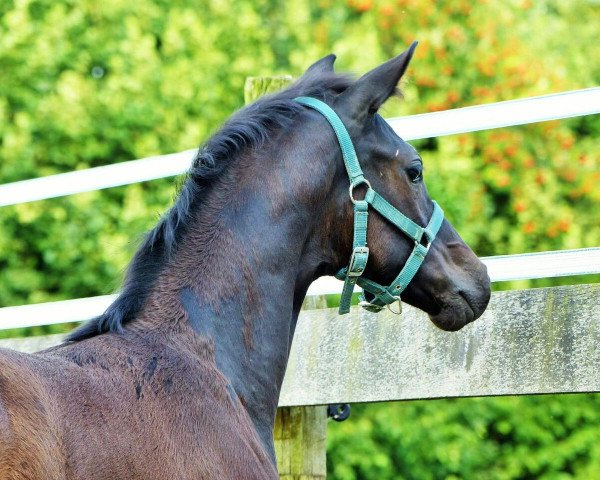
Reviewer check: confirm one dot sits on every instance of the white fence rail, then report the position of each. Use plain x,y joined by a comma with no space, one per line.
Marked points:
460,120
557,106
97,178
502,268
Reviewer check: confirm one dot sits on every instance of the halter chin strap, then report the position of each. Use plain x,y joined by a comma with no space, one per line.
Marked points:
422,237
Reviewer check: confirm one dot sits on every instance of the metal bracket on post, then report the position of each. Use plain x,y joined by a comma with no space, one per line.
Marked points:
338,411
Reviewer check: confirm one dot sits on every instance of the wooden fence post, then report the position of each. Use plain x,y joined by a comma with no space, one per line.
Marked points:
300,443
300,432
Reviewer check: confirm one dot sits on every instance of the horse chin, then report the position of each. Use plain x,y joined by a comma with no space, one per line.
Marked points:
453,317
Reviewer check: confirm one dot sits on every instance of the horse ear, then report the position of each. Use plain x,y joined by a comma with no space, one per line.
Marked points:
325,65
371,90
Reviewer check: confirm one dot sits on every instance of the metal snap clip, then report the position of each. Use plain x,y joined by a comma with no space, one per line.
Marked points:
399,306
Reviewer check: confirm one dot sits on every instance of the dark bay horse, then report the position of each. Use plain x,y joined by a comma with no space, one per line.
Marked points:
180,377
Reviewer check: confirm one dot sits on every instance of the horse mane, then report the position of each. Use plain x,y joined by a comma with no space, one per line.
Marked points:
248,128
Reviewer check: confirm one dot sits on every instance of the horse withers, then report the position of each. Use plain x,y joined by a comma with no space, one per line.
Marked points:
180,377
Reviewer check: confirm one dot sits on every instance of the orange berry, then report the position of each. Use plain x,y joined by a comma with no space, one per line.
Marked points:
364,5
529,227
567,143
520,206
453,96
503,181
564,225
552,231
387,10
540,178
510,150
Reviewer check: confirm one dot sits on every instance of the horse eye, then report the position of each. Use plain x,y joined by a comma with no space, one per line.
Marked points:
415,173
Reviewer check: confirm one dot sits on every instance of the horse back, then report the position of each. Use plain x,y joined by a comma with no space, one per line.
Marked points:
111,408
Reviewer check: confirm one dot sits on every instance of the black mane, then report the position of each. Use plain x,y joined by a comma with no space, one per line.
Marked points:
248,128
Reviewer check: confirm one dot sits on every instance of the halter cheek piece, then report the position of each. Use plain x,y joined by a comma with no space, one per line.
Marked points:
423,237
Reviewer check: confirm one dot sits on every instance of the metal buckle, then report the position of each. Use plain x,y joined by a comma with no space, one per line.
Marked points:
357,270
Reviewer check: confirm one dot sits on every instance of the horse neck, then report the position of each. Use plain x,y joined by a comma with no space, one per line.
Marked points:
239,277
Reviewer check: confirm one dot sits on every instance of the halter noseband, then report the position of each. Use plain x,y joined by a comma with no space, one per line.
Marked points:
423,237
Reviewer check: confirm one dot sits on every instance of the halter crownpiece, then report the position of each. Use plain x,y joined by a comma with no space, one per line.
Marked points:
422,236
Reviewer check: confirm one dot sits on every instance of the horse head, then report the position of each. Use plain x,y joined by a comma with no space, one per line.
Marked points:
408,249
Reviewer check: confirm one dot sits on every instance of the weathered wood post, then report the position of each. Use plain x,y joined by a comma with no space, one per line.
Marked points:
300,432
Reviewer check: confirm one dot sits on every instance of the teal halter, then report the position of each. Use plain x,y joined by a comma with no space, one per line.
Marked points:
352,274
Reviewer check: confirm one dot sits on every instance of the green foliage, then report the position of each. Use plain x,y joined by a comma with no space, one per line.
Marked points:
92,83
84,84
552,437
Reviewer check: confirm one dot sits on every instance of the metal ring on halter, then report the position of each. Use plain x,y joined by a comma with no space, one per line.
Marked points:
353,185
399,305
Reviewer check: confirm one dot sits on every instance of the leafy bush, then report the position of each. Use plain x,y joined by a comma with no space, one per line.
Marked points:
550,437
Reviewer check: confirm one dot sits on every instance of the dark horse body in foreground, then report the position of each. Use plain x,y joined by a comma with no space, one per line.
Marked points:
180,378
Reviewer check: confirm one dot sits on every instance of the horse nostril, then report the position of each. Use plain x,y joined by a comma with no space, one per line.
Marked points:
476,304
466,296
